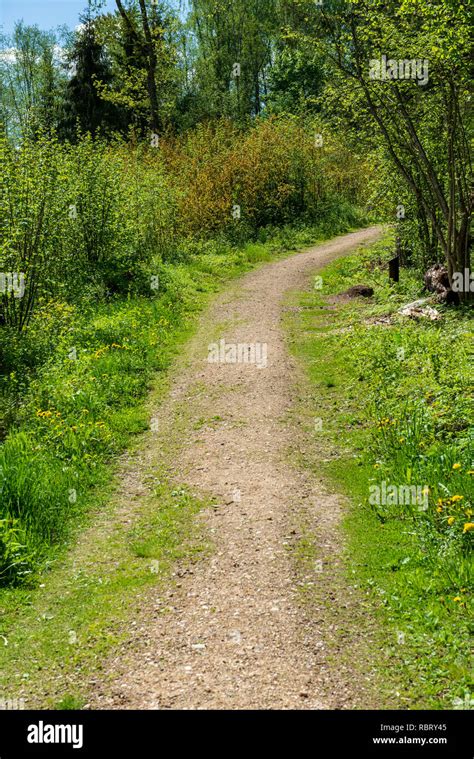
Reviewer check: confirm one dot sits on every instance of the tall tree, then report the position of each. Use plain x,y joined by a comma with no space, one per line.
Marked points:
235,44
31,81
146,44
84,108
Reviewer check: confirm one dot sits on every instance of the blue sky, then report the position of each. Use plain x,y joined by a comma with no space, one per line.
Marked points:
47,14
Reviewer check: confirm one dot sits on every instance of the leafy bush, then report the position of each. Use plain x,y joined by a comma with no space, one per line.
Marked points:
274,172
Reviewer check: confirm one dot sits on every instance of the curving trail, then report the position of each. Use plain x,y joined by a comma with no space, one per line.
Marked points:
232,632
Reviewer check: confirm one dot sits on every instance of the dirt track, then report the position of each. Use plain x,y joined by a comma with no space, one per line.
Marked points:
235,634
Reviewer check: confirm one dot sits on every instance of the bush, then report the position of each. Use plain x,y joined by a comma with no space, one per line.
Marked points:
273,172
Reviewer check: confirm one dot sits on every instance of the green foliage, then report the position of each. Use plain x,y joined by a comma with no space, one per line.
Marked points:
399,84
233,56
422,432
91,217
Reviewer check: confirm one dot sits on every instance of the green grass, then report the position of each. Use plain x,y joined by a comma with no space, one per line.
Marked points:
399,417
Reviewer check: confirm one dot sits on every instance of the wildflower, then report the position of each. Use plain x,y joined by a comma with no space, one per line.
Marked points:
451,520
456,466
468,527
456,498
439,509
457,598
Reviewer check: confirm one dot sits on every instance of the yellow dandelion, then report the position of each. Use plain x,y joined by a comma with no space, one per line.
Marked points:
451,520
468,527
456,466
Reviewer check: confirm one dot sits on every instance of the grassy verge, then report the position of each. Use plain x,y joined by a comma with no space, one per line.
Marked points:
69,603
393,408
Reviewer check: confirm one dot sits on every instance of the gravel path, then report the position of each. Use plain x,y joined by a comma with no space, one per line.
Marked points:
235,634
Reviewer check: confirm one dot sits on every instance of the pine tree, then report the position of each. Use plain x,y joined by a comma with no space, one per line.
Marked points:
84,109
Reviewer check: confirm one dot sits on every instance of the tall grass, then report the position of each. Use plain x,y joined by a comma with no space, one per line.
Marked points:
419,400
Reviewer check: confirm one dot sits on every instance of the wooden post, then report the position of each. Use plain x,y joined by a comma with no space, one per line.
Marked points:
394,269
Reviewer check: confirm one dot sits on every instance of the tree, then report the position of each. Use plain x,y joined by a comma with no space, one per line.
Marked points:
84,108
401,77
235,44
150,51
297,74
31,81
